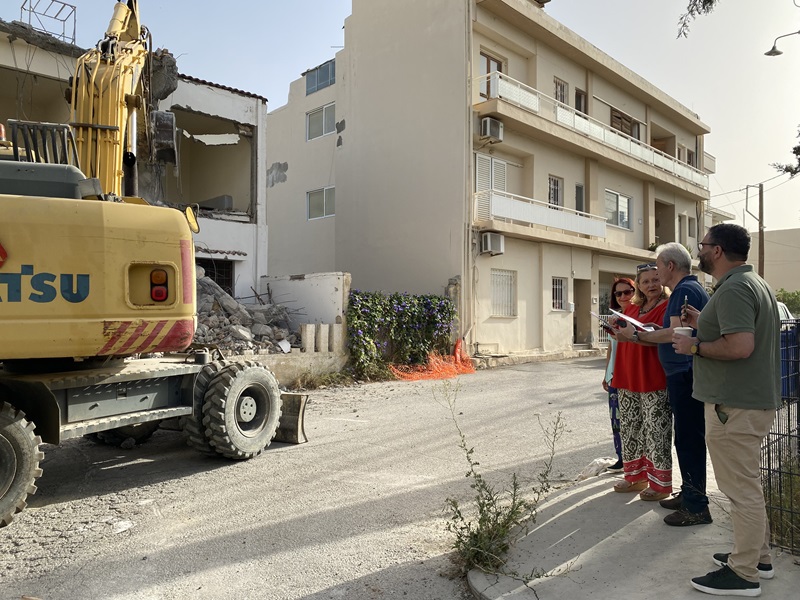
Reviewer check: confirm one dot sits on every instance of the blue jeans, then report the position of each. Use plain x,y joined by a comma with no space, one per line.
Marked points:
690,440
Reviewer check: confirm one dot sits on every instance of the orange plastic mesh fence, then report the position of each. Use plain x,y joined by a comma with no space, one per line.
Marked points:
438,366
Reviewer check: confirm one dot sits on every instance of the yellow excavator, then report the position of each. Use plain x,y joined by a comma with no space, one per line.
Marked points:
97,289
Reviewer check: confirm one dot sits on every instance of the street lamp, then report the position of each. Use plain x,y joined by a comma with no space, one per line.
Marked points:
774,50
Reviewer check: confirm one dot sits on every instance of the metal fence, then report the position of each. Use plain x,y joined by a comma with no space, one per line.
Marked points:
780,452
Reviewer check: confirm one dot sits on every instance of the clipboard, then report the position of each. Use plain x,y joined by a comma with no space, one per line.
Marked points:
638,324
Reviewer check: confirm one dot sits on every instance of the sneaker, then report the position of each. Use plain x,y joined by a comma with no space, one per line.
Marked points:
616,467
682,518
674,503
725,583
765,570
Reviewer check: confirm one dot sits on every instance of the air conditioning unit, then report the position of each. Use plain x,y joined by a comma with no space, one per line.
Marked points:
491,129
492,243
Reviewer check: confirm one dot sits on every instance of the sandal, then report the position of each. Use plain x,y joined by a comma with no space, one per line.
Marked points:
626,486
650,495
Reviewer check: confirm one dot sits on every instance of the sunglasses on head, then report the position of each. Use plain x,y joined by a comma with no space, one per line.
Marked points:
645,267
621,293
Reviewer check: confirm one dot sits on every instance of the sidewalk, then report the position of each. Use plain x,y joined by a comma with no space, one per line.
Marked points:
591,542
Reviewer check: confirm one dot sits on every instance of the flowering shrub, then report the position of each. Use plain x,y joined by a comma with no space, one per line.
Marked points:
396,329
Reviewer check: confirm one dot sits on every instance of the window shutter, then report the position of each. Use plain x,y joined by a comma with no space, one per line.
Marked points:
483,173
498,175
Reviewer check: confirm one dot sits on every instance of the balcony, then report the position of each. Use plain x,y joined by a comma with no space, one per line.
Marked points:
503,206
518,94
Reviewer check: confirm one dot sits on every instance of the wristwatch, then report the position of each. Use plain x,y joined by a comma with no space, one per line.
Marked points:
695,349
635,336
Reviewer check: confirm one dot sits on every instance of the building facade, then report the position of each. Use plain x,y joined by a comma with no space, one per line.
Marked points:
480,148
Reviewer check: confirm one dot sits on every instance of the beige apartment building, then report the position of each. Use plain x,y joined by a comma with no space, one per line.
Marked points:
781,257
480,148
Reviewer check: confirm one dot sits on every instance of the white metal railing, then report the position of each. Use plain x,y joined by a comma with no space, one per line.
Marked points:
495,204
603,337
517,93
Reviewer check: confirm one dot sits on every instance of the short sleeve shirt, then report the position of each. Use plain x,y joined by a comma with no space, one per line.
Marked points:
742,302
690,291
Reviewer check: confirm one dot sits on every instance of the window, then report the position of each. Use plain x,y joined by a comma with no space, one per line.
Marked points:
555,190
219,271
617,209
624,123
581,101
690,158
692,227
580,202
321,77
321,203
490,173
504,293
561,92
321,122
489,64
559,293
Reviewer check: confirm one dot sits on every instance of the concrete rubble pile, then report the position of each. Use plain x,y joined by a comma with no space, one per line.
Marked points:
237,328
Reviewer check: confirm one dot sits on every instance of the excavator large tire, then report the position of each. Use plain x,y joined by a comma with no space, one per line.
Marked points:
193,429
19,461
138,432
242,410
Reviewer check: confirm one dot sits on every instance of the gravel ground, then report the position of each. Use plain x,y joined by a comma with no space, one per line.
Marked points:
356,513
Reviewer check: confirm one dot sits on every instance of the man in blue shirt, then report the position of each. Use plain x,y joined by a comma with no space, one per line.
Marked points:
690,506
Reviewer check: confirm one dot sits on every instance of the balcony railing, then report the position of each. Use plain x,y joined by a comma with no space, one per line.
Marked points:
494,204
514,92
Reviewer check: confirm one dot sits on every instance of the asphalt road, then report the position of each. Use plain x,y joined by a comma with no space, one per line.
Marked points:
356,513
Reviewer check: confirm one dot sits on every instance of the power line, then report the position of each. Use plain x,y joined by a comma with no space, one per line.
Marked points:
744,188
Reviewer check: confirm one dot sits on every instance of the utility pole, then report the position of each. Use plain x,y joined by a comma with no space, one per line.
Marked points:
760,219
761,230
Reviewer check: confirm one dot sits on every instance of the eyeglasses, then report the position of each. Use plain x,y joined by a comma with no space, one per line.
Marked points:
621,293
645,267
701,245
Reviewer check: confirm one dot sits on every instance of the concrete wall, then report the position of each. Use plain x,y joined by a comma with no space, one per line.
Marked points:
403,164
295,167
781,258
319,298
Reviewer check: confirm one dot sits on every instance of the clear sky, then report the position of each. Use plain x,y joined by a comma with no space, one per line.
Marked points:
750,101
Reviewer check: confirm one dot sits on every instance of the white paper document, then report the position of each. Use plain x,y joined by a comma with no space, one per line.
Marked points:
638,324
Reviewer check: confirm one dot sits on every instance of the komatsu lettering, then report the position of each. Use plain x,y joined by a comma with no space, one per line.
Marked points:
43,287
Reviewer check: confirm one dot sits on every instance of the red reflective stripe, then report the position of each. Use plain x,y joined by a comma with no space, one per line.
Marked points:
133,337
116,328
150,338
3,255
178,337
186,271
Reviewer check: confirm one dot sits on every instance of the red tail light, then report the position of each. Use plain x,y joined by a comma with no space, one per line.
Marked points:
159,285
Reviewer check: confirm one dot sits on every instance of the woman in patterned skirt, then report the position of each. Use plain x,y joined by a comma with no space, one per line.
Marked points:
644,411
622,291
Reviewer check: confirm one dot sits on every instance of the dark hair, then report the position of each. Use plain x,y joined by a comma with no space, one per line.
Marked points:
733,239
612,301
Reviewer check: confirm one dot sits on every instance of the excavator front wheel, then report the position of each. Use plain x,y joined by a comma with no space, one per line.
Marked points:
242,410
19,461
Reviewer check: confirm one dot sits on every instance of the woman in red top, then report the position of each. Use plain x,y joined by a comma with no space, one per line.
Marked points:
644,411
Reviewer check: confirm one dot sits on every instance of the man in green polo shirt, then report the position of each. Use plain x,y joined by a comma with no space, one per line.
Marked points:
737,375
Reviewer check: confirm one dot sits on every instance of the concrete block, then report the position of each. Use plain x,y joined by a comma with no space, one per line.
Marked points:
322,338
308,337
339,340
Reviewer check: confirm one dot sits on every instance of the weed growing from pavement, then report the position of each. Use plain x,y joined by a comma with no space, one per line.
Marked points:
483,531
